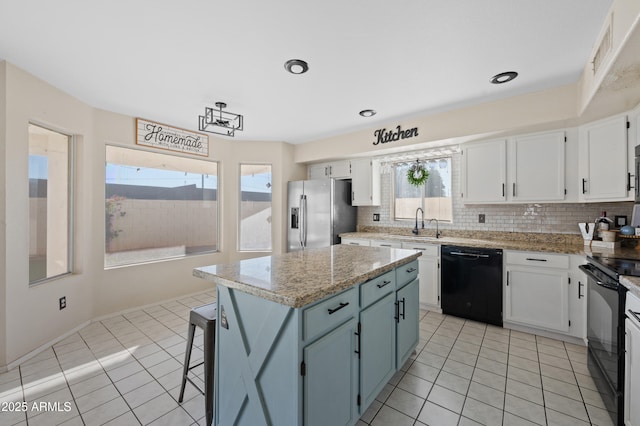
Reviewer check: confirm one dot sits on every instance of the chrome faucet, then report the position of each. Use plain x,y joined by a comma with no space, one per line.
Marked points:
415,230
437,227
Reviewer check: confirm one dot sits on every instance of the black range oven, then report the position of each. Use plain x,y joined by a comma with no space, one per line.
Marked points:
605,327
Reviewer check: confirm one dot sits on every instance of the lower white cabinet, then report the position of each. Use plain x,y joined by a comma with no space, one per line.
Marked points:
632,361
355,242
537,291
429,274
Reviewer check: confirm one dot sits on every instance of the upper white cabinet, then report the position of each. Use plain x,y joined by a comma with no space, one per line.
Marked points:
604,169
365,182
484,167
535,165
335,169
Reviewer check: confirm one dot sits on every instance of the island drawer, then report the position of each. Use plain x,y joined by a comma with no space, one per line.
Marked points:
376,288
329,313
537,259
406,273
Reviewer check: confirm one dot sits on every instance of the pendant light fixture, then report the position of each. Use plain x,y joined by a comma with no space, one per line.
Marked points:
219,121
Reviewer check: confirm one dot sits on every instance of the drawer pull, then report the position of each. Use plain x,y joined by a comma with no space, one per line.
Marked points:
384,283
410,270
340,306
536,260
385,245
580,295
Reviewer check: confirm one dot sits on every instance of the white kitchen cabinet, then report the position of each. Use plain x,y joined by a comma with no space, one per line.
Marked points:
429,274
536,167
335,169
604,160
578,299
632,363
386,243
484,172
355,242
537,290
365,182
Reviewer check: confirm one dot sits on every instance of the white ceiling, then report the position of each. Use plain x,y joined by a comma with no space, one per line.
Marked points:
165,60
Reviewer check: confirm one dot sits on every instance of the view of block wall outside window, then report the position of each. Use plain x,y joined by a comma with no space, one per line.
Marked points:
434,197
158,206
49,203
255,207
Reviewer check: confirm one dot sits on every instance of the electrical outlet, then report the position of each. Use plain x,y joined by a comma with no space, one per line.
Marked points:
376,217
62,302
481,218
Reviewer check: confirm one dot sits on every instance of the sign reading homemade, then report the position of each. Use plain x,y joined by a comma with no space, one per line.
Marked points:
161,136
385,136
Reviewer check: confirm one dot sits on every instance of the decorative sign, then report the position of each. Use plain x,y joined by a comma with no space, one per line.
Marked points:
161,136
386,136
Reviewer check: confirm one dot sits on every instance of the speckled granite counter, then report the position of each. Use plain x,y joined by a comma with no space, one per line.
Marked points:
632,283
554,246
299,278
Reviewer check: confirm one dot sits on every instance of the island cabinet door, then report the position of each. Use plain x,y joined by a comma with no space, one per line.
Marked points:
377,348
407,319
330,378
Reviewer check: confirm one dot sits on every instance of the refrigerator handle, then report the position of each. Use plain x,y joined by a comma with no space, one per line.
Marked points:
303,214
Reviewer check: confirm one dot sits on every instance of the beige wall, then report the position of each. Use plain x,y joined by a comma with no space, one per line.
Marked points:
3,217
32,318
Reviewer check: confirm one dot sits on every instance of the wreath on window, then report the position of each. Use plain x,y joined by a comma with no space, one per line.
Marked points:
417,175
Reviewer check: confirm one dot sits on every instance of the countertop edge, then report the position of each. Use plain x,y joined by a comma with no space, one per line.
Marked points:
310,297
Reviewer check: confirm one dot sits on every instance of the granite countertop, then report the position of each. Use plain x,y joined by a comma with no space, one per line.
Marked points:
525,245
632,283
297,279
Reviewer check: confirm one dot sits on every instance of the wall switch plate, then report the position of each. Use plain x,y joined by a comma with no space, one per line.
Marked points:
62,302
376,217
481,218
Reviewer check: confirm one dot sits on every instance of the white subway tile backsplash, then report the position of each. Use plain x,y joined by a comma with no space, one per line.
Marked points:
561,218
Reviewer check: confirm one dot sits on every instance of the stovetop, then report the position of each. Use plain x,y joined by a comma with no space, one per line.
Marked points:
619,266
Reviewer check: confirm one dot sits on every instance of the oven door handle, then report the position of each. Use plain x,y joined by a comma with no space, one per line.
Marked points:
587,269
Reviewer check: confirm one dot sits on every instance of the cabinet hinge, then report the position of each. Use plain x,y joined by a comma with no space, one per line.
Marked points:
565,138
303,369
359,402
462,195
507,277
565,191
569,323
569,279
628,125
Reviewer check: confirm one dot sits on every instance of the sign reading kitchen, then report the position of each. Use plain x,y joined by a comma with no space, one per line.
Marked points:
386,136
161,136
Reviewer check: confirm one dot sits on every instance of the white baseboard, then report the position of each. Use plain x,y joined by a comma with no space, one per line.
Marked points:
33,353
38,350
544,333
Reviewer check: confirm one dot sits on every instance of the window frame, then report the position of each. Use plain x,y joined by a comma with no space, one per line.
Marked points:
423,191
239,227
218,175
71,194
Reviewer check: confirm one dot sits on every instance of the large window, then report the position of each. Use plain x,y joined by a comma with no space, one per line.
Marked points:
255,207
158,206
434,197
49,203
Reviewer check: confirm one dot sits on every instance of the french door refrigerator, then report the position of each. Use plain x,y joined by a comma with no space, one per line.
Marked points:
318,210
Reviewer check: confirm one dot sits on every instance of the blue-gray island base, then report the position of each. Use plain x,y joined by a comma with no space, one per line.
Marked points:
311,338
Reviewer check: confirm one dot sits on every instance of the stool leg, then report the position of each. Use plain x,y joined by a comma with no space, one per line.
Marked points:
187,359
209,362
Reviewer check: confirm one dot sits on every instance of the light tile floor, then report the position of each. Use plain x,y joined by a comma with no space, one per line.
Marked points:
126,370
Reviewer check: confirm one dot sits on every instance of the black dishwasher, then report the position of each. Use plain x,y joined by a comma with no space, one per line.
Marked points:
472,283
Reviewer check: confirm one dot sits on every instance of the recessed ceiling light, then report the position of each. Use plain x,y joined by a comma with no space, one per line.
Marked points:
367,113
504,77
296,66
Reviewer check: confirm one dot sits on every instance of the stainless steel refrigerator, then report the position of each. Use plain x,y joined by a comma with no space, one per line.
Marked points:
319,210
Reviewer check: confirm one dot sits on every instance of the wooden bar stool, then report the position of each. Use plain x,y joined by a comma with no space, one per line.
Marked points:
205,318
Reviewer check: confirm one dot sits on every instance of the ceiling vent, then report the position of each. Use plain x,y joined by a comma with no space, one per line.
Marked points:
604,48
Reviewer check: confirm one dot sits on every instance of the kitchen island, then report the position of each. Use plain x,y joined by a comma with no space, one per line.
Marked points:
311,337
